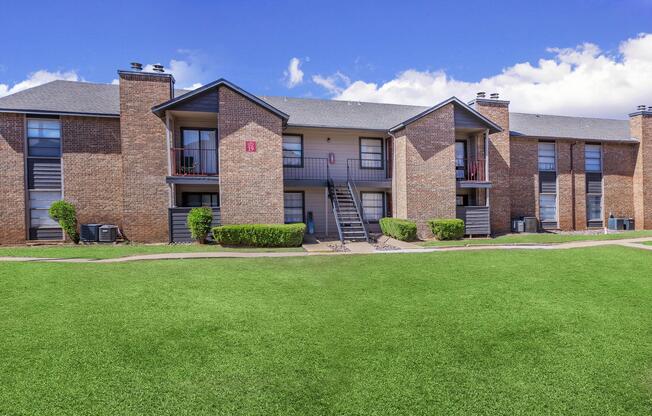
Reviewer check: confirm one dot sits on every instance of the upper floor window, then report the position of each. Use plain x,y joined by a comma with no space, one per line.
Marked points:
547,156
371,153
593,158
293,150
43,137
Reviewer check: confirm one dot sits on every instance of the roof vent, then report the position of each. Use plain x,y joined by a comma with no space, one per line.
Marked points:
481,94
136,66
641,107
158,68
494,95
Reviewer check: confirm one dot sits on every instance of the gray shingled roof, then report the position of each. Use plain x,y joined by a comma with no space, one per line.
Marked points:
538,125
103,99
343,114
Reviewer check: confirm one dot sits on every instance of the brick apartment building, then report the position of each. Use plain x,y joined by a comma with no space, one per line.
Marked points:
140,154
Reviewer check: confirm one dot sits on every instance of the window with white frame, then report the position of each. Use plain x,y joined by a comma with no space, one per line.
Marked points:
547,156
593,158
371,153
293,207
292,150
373,205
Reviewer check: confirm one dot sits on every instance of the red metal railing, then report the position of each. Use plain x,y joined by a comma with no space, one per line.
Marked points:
193,162
470,170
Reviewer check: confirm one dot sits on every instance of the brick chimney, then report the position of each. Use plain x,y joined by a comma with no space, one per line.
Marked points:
497,110
146,196
640,126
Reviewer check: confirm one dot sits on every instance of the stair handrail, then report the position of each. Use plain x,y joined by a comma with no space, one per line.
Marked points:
334,207
354,193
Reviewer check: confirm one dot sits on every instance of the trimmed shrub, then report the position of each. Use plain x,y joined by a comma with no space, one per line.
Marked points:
447,229
260,235
65,214
404,230
199,222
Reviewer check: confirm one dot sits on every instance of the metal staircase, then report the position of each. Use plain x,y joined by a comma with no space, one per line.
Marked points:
347,213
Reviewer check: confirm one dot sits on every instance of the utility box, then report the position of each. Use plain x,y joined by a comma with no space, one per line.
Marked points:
531,224
616,223
108,233
89,233
518,225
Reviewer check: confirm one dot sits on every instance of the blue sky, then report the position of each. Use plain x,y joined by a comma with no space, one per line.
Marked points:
343,49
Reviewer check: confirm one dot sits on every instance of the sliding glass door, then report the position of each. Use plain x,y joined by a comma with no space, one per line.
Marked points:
199,151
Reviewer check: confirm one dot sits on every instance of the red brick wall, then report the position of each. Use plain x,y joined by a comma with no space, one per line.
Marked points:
426,158
92,168
499,164
146,196
524,177
567,196
251,183
618,180
641,128
12,178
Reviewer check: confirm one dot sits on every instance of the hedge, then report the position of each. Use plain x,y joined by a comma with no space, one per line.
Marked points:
65,214
447,229
199,222
404,230
260,235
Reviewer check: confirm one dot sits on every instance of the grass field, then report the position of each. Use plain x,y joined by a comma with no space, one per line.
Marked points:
565,332
104,251
544,238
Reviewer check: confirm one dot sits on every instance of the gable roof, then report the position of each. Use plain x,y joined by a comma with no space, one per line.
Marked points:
83,98
493,127
158,109
561,127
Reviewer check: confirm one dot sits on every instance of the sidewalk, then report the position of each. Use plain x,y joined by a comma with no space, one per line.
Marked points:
358,249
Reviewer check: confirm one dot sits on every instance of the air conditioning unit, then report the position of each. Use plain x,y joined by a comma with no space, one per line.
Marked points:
89,233
518,226
108,233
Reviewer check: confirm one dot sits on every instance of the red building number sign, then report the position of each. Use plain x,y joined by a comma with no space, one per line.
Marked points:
250,146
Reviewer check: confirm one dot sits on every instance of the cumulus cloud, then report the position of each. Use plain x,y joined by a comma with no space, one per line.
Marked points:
583,80
188,72
37,78
293,76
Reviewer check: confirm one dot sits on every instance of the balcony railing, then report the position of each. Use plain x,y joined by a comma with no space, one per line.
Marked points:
359,170
305,168
193,162
470,170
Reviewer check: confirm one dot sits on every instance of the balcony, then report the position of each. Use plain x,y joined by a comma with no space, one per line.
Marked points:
368,172
305,170
471,172
193,162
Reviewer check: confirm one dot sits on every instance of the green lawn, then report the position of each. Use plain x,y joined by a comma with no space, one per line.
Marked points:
102,251
543,238
565,332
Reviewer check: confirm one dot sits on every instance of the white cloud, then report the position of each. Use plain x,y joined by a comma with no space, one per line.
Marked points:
576,81
37,78
336,83
187,72
293,76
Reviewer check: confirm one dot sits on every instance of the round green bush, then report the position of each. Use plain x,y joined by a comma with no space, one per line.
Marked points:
199,222
447,229
65,214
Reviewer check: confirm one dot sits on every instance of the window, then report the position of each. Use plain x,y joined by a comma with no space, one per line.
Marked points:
43,137
293,207
594,207
462,200
371,153
548,207
593,158
547,156
200,199
39,204
199,151
460,160
293,150
373,205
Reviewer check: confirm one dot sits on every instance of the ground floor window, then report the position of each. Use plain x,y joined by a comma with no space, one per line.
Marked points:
293,203
200,199
594,207
548,207
373,205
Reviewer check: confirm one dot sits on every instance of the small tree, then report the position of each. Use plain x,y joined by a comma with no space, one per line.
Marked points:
65,214
199,223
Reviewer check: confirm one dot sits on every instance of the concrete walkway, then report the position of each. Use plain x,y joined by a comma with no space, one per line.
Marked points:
631,243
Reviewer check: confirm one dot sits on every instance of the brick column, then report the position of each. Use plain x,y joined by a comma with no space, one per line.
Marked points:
424,184
499,163
251,180
571,190
146,196
640,124
12,178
